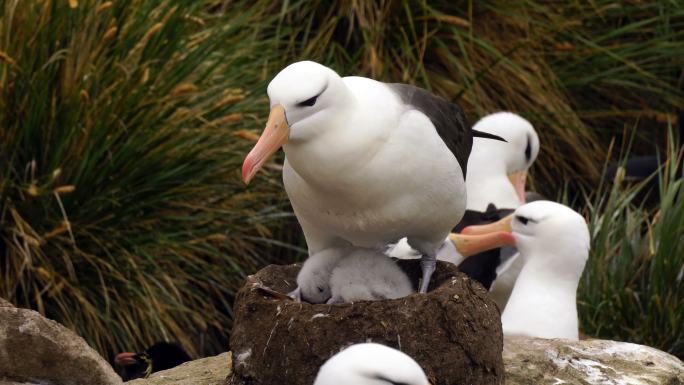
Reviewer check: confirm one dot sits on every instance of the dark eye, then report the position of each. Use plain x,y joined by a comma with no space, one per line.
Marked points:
528,149
308,102
320,289
521,219
387,380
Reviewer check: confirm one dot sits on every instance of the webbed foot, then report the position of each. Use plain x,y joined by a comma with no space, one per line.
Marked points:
296,294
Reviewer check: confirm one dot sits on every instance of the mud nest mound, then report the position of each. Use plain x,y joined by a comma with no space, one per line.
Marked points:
453,331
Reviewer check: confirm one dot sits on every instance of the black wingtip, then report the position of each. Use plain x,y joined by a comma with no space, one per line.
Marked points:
480,134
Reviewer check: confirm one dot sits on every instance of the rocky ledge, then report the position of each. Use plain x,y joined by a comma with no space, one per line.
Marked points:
526,360
600,362
36,350
205,371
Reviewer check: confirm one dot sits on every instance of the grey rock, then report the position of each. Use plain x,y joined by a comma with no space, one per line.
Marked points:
5,303
527,361
36,350
205,371
590,362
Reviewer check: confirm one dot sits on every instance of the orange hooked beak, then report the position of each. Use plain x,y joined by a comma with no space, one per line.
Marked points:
275,134
518,179
468,245
503,224
125,358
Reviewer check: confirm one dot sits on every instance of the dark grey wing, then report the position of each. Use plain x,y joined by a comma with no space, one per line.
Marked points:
447,118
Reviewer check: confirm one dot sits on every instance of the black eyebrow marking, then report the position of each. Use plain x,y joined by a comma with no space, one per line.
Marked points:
521,219
528,148
524,220
383,378
310,101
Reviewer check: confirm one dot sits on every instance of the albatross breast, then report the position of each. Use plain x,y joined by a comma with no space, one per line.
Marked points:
407,181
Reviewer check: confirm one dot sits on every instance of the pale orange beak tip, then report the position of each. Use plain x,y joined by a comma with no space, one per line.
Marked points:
467,230
125,358
272,138
247,168
469,245
518,180
503,224
506,237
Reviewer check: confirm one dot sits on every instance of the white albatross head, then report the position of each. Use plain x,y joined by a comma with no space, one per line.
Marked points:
553,241
554,235
518,152
370,364
545,231
304,97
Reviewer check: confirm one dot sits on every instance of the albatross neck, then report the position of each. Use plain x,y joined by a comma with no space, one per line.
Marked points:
486,181
543,302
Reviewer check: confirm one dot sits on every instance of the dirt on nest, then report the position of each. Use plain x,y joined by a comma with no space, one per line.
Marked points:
453,332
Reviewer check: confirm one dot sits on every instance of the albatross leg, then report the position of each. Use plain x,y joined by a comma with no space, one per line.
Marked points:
428,260
428,263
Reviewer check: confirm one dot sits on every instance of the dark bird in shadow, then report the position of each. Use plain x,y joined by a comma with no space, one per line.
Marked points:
639,168
160,356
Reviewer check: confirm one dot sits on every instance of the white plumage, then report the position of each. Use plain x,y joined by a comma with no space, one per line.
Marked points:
313,280
367,275
364,165
370,364
497,172
447,252
338,181
554,242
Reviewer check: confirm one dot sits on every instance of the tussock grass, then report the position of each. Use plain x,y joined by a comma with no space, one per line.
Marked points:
579,71
633,285
122,130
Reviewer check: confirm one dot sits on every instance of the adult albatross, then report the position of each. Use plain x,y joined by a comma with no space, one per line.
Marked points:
496,186
371,364
366,163
554,243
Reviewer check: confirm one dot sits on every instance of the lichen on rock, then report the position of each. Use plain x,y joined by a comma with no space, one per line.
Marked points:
205,371
594,362
527,361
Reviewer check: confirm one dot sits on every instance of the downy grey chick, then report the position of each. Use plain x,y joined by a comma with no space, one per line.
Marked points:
367,275
313,280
